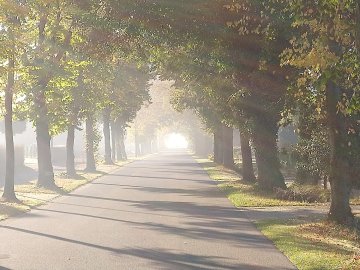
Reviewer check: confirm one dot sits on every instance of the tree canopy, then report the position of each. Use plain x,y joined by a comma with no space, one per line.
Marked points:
249,65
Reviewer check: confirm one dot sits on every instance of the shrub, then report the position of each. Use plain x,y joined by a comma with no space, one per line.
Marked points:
313,157
303,193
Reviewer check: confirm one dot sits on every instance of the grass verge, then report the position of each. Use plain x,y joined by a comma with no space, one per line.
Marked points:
32,196
314,246
240,193
309,244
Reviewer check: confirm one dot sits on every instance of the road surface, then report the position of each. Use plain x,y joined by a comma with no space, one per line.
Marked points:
159,213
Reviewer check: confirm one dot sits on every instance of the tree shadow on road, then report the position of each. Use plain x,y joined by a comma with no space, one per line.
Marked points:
169,178
170,260
187,208
215,231
208,192
159,257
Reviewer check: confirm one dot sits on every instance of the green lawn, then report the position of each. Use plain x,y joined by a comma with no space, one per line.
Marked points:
316,245
240,193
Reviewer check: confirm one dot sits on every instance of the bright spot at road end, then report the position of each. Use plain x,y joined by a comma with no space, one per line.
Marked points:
176,141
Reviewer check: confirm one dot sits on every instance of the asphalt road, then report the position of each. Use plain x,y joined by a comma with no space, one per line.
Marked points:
160,213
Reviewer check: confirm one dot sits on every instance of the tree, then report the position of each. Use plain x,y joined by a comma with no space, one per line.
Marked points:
10,32
9,193
75,115
107,135
326,55
50,29
246,156
212,114
130,90
222,63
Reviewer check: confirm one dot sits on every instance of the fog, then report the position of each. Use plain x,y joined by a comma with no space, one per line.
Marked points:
125,125
156,127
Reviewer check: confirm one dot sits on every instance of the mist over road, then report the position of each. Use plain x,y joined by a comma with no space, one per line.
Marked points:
159,213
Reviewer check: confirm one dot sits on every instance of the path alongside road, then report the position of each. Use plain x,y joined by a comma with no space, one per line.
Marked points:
160,213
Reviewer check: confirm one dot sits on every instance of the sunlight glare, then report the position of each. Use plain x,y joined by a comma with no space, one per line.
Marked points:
176,141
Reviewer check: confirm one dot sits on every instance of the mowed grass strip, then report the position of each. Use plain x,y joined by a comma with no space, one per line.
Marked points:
33,196
315,245
241,193
309,244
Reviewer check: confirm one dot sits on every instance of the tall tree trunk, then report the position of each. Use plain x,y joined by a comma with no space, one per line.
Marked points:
46,171
218,146
106,130
246,157
43,138
73,122
196,144
267,159
90,151
118,130
113,141
9,193
45,168
122,144
137,145
340,165
70,155
228,146
119,156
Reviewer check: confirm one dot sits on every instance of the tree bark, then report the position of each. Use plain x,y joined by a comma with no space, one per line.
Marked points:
137,145
218,146
43,140
228,146
46,171
90,151
113,141
9,193
122,144
118,150
267,159
196,144
107,139
45,167
340,165
246,157
70,155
